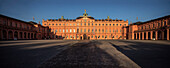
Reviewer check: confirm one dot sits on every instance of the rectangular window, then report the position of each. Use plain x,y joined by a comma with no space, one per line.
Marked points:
20,26
84,30
16,25
66,30
88,30
74,30
102,36
60,30
70,30
63,30
102,30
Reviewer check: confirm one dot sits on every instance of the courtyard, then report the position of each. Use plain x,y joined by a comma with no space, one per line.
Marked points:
84,54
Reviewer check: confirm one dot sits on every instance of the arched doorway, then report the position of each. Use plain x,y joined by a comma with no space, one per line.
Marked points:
140,36
25,35
154,35
28,35
4,34
112,37
159,35
16,34
20,34
35,37
149,36
135,36
31,35
88,37
165,35
10,35
81,38
144,35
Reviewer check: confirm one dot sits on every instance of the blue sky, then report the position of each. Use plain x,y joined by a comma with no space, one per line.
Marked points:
99,9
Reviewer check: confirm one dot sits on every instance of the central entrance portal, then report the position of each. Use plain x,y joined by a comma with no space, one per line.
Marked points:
84,37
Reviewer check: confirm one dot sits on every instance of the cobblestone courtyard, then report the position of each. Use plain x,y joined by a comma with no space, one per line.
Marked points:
84,54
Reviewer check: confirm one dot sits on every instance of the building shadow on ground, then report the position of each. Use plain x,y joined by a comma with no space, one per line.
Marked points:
146,55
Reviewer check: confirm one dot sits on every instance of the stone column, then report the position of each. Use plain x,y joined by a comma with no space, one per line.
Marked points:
139,36
146,35
151,35
142,35
162,35
168,34
156,35
136,36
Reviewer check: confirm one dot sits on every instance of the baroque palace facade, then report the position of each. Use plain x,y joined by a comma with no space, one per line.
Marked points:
11,28
86,27
156,29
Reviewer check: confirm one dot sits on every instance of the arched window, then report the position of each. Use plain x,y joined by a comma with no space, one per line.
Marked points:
164,23
84,30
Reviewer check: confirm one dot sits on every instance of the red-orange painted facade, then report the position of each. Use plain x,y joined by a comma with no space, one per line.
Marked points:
86,27
157,29
11,29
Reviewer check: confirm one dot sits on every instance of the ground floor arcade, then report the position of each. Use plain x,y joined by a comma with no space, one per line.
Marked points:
153,35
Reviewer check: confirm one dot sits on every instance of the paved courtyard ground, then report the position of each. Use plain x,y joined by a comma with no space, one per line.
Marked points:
146,53
84,54
29,53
